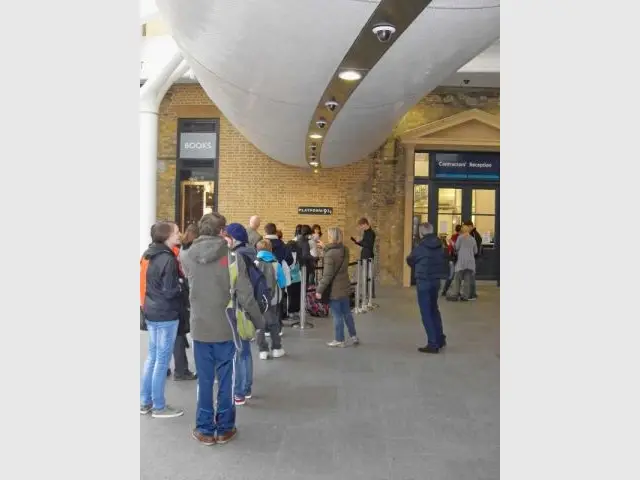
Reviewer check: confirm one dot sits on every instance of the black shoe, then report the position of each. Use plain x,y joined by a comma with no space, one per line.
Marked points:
187,376
429,349
443,343
452,299
169,372
462,299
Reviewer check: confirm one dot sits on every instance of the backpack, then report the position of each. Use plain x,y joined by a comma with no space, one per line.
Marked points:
245,328
261,291
268,269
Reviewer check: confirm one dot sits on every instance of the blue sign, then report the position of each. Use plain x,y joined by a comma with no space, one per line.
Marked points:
467,166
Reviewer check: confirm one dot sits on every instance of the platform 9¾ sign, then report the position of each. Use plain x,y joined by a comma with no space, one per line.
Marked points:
315,210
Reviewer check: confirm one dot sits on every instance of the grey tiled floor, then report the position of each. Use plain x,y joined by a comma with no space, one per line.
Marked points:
380,411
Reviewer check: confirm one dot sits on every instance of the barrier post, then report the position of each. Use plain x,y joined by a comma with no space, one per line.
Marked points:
303,324
356,309
371,270
363,286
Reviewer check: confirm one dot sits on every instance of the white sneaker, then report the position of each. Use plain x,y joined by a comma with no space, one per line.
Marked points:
264,355
277,353
355,340
267,334
335,344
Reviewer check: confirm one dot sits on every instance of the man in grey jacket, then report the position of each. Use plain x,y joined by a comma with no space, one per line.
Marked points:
252,231
206,266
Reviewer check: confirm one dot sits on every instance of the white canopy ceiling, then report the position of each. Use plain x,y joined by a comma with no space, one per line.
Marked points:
266,65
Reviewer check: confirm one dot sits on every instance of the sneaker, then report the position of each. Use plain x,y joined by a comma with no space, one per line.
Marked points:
264,355
335,343
443,343
429,349
207,440
452,299
355,340
281,333
226,437
277,353
267,334
473,299
248,396
239,401
167,412
145,409
186,376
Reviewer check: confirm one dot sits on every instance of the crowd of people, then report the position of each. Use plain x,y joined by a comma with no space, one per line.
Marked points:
231,286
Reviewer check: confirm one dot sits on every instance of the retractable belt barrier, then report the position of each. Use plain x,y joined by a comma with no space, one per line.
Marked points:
303,324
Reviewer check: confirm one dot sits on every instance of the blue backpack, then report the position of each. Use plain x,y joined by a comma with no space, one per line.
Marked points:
261,291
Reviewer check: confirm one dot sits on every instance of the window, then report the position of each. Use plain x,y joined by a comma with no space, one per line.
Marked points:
421,165
449,210
420,208
483,214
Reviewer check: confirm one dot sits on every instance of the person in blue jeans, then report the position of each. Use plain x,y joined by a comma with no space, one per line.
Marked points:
335,285
163,302
214,330
428,261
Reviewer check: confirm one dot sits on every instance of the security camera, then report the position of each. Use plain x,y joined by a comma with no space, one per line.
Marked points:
384,31
313,147
321,123
312,156
331,104
466,81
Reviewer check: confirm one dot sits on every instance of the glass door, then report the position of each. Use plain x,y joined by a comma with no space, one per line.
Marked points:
483,214
196,199
449,211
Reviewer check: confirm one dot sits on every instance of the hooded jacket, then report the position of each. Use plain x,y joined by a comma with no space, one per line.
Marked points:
336,271
206,265
280,250
427,260
163,293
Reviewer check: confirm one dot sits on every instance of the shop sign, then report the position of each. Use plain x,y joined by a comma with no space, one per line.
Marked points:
197,145
315,210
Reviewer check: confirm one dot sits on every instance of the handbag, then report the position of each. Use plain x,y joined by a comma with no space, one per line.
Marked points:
326,294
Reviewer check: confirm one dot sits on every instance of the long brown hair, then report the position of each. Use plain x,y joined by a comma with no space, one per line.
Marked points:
190,234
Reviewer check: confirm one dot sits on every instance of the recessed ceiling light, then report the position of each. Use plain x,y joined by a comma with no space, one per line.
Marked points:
314,163
315,136
350,75
315,170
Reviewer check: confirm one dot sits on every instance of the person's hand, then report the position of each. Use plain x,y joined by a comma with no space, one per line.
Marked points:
318,295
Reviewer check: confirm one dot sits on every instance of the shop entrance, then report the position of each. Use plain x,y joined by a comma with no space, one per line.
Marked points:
195,192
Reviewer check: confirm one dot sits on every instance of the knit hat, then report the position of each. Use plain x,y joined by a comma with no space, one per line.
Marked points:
237,232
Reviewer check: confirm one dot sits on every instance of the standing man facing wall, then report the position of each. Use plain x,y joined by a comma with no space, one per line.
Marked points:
252,231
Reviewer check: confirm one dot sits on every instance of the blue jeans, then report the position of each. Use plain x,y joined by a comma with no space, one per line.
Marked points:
341,313
430,313
215,360
244,370
162,338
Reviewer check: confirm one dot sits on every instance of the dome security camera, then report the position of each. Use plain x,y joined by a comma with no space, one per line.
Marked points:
331,104
313,147
321,123
384,32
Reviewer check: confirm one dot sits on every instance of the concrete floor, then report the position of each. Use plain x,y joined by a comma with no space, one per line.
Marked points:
380,411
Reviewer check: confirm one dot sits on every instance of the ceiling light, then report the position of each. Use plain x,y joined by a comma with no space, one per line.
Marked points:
313,146
314,163
350,75
315,170
321,123
315,136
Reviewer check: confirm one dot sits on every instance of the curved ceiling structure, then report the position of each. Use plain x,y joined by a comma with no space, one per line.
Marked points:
266,65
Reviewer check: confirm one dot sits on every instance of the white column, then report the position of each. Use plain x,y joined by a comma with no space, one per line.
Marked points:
151,95
148,166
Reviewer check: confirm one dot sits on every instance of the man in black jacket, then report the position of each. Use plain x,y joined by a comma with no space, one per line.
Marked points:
367,243
427,260
162,307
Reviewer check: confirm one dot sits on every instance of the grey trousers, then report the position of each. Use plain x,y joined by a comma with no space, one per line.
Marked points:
462,279
273,327
181,363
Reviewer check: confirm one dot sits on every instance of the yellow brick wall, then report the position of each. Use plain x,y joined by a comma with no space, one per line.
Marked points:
251,183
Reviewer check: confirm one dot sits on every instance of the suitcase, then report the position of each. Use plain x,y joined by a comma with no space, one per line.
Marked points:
314,306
